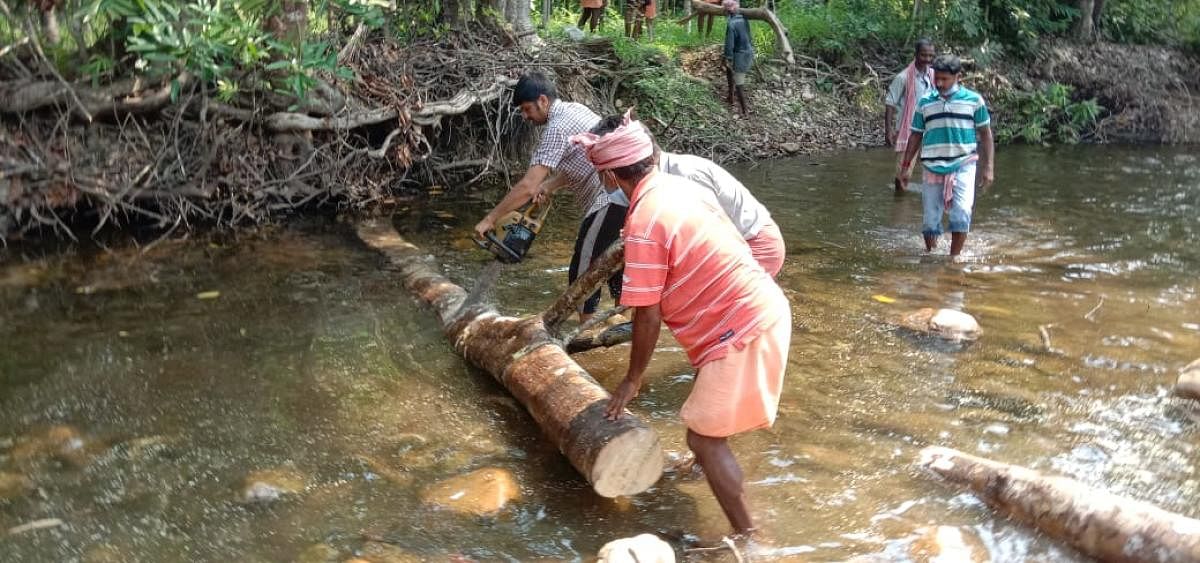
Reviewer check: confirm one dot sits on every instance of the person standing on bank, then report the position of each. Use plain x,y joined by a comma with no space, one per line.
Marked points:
948,128
907,89
688,267
592,11
739,52
603,216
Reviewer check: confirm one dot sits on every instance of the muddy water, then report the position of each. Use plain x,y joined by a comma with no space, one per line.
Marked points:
139,389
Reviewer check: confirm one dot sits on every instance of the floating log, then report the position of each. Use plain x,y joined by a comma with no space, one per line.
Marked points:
617,458
1097,523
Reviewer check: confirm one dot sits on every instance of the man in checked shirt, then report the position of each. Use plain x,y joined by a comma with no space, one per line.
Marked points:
556,163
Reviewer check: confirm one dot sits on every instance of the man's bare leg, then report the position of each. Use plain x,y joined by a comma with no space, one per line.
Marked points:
724,477
741,94
930,242
729,81
957,240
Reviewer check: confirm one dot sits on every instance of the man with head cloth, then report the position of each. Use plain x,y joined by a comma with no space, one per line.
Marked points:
687,266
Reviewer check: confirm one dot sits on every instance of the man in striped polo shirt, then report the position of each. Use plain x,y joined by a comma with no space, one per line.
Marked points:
687,266
948,128
556,163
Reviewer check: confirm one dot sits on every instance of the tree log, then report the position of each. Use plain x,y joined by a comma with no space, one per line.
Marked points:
601,269
785,46
1097,523
617,458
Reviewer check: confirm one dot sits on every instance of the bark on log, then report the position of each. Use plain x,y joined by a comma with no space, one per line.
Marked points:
1097,523
617,458
763,14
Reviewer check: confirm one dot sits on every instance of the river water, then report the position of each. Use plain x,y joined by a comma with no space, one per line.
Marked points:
139,387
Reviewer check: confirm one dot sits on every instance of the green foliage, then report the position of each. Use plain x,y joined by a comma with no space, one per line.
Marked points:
661,90
1048,116
1172,22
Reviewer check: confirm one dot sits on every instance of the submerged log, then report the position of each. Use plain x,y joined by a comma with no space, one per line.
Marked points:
617,458
1097,523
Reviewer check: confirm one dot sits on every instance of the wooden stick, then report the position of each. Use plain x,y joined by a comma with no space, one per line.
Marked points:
1097,523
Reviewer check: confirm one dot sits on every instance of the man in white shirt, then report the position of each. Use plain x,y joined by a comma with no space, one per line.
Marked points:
906,90
751,218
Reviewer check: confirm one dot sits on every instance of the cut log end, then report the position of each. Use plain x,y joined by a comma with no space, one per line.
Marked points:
628,464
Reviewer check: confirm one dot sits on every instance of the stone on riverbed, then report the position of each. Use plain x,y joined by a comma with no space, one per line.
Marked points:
270,485
943,323
481,492
61,442
14,485
379,552
948,543
1188,385
646,548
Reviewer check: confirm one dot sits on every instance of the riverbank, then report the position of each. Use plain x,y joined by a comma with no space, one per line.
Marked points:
430,116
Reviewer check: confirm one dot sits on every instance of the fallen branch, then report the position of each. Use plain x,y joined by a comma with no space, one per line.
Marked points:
602,268
1097,523
618,458
1044,330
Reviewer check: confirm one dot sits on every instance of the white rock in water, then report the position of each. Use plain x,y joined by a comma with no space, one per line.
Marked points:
955,325
1188,385
646,548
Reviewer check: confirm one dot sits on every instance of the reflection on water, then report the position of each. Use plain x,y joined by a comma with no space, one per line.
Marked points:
134,403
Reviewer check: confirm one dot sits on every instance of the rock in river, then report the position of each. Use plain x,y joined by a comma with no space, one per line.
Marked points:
481,492
944,323
948,543
646,548
270,485
1188,385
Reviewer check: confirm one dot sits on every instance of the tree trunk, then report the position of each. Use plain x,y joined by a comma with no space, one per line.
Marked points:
50,24
1085,30
1097,523
547,7
782,44
618,458
518,14
1097,16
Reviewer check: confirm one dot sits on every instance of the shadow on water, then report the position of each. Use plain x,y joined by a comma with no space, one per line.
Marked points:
139,391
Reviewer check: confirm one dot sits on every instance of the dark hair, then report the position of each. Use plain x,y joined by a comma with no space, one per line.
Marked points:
607,125
532,85
637,170
947,63
922,43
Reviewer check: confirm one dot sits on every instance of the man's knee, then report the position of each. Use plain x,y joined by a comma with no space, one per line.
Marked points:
702,444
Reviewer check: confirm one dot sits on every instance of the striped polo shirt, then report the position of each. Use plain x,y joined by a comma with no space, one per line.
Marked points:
683,253
947,126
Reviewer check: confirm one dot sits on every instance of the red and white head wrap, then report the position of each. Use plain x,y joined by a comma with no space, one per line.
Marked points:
628,144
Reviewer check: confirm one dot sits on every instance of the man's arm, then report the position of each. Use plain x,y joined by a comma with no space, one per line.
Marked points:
889,121
524,190
984,173
910,152
647,323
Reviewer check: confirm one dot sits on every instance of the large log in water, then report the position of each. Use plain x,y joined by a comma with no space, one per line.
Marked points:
617,458
1097,523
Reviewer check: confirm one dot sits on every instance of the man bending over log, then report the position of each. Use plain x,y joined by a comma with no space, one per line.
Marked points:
538,100
686,265
750,217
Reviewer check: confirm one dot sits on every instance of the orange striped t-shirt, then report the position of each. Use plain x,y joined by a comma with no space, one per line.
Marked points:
682,252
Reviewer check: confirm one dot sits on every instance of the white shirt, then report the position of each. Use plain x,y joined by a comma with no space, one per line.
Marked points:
747,214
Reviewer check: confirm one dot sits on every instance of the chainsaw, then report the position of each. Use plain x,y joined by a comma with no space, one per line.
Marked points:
513,234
